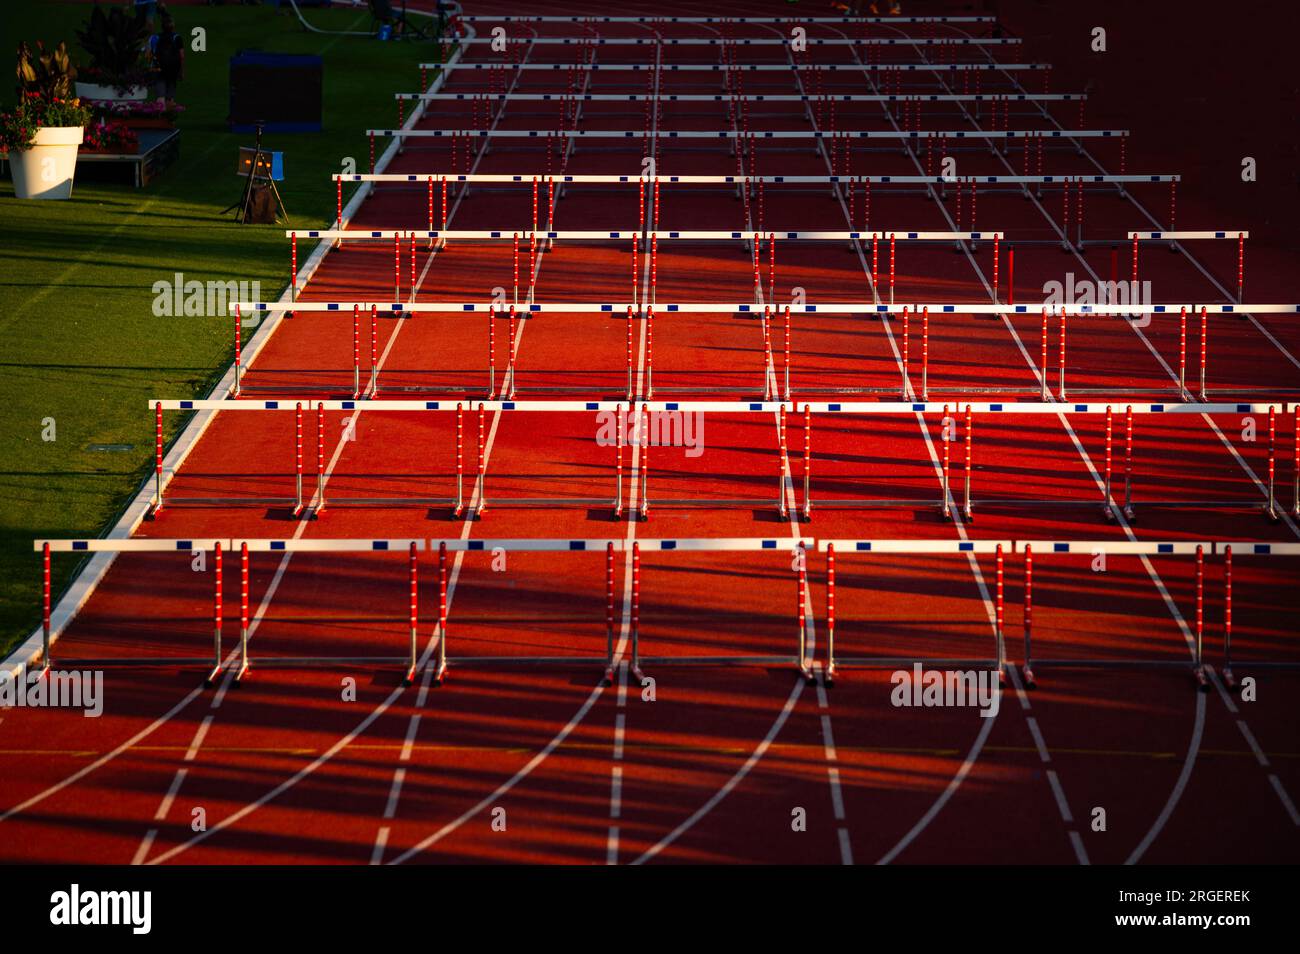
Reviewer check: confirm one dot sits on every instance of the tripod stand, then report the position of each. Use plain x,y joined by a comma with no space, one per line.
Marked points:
244,204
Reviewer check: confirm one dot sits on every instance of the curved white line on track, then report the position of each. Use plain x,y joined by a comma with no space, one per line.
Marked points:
953,784
1193,747
106,757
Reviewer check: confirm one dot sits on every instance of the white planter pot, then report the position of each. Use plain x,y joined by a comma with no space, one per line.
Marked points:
110,94
45,170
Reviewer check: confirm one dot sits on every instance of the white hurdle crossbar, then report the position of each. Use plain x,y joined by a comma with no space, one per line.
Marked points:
1239,549
1142,548
999,548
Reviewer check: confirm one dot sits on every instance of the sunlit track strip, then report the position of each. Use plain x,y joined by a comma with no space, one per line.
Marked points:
623,236
911,67
751,97
589,41
717,21
723,308
722,135
729,407
422,178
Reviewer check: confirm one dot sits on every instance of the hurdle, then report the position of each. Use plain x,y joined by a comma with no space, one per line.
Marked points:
1117,498
188,547
998,548
1246,549
477,505
833,307
294,502
797,548
303,545
1174,237
643,433
1141,548
311,507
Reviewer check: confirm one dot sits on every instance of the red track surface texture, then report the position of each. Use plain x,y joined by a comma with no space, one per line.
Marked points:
718,762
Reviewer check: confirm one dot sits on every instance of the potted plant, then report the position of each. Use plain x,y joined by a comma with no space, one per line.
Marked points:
119,65
107,136
42,132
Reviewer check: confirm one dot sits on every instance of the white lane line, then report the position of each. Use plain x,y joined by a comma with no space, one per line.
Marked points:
106,758
165,805
1038,738
381,841
612,836
833,772
1286,799
1059,794
1079,851
143,851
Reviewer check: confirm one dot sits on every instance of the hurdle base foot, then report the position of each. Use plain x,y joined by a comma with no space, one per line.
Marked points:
607,679
1229,679
408,680
239,676
151,514
1202,682
439,675
1027,675
212,677
1271,514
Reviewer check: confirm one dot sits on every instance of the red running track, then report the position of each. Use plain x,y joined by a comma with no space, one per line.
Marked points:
287,768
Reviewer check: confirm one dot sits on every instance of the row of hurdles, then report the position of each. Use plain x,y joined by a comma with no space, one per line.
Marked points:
793,549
